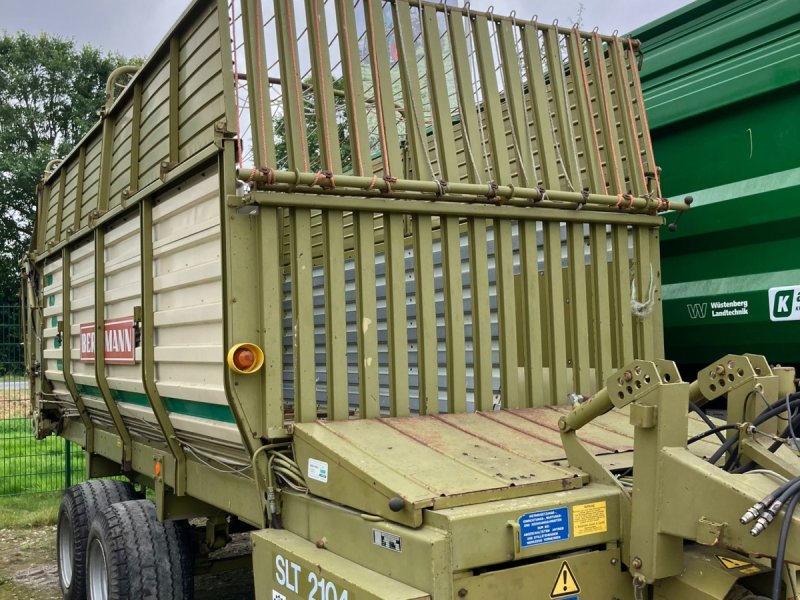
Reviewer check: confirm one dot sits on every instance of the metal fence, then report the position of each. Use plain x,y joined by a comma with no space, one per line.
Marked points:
27,465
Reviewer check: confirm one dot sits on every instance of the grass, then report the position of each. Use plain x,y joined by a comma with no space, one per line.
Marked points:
28,465
29,510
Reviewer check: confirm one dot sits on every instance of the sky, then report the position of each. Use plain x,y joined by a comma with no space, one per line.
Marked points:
135,28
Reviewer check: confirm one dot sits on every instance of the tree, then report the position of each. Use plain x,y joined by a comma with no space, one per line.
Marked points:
50,92
312,134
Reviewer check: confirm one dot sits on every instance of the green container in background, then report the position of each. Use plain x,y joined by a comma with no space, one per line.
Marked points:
721,82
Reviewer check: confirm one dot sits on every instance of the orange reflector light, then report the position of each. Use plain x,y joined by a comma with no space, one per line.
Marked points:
157,469
245,358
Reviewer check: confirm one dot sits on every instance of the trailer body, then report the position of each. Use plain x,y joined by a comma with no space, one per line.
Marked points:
350,308
722,85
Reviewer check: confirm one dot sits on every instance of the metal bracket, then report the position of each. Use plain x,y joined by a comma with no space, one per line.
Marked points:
709,532
727,374
164,168
644,416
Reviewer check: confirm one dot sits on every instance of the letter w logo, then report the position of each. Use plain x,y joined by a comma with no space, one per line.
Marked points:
697,311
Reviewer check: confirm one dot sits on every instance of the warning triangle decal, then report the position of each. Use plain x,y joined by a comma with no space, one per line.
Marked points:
565,584
732,563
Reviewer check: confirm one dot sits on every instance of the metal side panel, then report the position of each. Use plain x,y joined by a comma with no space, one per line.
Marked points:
287,567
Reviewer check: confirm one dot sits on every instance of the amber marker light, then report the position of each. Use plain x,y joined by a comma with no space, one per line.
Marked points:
245,358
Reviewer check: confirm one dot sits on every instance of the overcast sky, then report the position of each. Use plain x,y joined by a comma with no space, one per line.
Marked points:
134,28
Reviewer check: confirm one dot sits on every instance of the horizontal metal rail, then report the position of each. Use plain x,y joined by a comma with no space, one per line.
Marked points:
471,192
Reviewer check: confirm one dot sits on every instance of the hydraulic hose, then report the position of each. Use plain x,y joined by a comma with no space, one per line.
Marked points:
782,540
774,409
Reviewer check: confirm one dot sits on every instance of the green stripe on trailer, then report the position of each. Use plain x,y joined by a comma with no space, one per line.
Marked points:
178,406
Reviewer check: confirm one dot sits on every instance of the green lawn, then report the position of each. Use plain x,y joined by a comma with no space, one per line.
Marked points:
31,466
29,510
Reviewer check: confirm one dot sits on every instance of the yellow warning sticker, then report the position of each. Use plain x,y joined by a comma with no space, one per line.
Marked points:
750,570
589,518
732,563
566,584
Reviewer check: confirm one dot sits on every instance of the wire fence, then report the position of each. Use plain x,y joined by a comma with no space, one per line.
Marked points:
27,465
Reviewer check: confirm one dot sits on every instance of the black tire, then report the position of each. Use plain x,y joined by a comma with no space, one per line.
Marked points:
130,555
79,505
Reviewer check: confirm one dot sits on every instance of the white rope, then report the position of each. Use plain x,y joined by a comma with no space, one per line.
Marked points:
642,310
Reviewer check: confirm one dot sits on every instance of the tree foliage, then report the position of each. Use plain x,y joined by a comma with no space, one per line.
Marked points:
50,92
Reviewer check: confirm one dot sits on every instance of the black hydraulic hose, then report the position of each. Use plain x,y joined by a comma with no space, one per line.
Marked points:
714,430
794,423
698,411
774,409
782,540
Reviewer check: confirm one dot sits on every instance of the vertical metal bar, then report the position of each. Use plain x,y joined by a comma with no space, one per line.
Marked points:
607,120
228,83
515,102
325,108
507,316
41,217
425,291
557,359
470,127
335,308
366,315
532,334
538,97
439,94
558,88
289,62
382,87
623,94
174,98
62,183
67,464
355,104
623,325
100,348
397,323
305,396
491,100
257,84
644,276
148,343
412,96
591,147
136,133
66,345
239,273
481,315
657,316
507,313
454,316
106,150
579,315
271,235
79,187
601,326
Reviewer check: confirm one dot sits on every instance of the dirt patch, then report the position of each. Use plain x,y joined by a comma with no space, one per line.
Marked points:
28,565
28,568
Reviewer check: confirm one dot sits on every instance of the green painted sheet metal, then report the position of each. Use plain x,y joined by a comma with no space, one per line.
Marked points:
190,408
722,88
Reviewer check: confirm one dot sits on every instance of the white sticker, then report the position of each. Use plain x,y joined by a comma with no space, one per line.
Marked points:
784,303
318,470
277,596
386,540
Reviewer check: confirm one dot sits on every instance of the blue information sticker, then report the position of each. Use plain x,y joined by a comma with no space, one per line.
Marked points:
544,527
